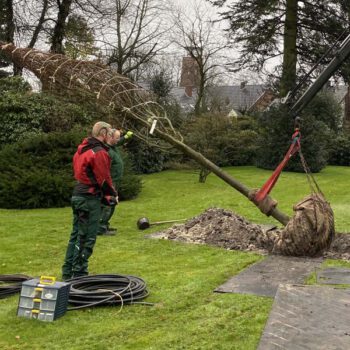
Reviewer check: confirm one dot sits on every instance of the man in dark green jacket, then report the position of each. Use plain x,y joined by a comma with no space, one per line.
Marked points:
117,169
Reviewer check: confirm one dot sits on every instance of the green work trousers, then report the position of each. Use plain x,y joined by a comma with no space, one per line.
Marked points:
86,216
106,214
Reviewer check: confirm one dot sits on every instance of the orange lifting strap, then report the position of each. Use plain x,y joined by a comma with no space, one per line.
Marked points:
268,185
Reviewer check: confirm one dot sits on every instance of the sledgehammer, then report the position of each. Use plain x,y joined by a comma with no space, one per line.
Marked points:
143,223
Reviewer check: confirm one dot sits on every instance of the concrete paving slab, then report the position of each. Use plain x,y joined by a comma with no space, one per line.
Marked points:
308,318
333,275
263,278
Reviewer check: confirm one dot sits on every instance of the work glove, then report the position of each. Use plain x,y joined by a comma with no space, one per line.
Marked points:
110,200
129,135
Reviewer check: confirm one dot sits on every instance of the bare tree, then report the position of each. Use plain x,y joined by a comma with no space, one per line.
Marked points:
59,29
40,24
33,21
51,22
133,35
198,35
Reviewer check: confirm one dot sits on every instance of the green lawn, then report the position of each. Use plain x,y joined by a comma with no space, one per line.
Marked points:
180,277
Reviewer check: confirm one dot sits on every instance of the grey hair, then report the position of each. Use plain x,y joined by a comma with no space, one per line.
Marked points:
99,127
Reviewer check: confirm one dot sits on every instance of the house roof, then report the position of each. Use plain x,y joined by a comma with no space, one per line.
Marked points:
186,102
236,97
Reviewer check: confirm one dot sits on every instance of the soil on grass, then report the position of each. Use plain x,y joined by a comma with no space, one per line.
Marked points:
224,228
340,247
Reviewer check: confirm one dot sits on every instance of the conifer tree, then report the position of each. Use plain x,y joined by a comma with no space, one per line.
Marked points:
298,31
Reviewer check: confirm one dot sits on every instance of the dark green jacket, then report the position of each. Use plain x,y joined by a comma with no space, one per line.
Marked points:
117,165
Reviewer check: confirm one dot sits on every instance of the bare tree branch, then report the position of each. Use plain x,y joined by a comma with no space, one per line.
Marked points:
202,41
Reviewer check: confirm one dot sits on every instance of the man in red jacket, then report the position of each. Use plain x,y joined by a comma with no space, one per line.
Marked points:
91,164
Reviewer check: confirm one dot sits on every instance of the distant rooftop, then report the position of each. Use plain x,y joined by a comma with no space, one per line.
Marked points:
187,103
231,97
236,97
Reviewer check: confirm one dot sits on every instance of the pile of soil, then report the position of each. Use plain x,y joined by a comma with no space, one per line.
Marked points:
340,247
224,228
221,228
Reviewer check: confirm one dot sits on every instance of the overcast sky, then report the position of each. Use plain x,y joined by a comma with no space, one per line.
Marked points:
177,53
190,5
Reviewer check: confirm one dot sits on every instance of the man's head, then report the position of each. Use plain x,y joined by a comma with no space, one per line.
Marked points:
102,131
114,138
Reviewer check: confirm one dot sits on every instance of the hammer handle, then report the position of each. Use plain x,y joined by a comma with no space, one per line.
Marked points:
166,222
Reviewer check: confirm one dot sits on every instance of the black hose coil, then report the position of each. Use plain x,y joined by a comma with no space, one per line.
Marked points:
12,284
93,290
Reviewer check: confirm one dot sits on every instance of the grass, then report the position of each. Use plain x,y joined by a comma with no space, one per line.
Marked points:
181,277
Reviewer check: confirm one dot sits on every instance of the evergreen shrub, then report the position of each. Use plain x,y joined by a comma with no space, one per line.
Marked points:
14,84
339,150
131,184
145,159
224,140
24,113
327,109
37,172
276,128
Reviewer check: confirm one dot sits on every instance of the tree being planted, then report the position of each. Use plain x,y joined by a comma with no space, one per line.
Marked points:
133,108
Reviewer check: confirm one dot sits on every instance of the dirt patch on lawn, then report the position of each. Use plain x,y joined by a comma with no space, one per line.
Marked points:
224,228
340,247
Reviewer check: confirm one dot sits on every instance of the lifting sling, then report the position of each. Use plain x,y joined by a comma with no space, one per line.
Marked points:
270,183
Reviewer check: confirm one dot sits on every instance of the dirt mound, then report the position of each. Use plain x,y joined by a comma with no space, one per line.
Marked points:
221,228
340,247
224,228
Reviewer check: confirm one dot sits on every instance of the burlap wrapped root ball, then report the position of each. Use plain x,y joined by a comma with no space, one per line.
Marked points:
310,231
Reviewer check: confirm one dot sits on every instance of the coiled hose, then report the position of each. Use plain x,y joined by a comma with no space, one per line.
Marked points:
12,284
93,290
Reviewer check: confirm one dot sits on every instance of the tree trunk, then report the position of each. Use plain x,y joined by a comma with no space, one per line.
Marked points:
203,174
10,32
200,102
206,163
10,25
39,26
288,78
58,33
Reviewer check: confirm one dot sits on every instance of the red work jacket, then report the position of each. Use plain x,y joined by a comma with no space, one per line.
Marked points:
91,164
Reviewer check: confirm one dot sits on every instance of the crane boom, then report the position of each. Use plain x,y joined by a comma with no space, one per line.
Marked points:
341,55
